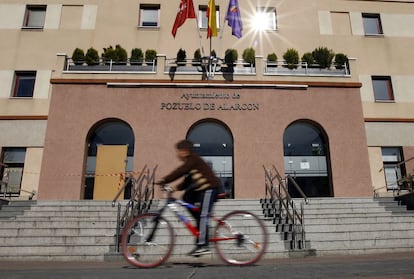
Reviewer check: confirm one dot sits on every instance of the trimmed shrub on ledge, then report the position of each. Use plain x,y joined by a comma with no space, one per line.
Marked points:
137,56
249,56
340,60
150,56
92,57
291,57
323,56
78,56
230,56
181,57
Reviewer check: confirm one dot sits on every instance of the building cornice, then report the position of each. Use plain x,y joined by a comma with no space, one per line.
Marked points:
203,83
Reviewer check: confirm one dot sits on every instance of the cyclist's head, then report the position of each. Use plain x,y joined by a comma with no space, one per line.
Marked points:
184,149
184,145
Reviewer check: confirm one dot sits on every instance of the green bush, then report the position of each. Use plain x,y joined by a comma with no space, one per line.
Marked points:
117,54
341,60
272,59
150,56
181,57
308,58
92,56
230,56
197,57
323,56
249,56
78,56
121,56
136,56
291,57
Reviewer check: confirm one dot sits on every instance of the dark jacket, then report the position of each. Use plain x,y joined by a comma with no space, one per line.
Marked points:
194,167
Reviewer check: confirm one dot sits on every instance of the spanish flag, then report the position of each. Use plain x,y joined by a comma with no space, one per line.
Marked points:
212,22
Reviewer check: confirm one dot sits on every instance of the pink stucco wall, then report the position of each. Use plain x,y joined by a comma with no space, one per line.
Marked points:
258,133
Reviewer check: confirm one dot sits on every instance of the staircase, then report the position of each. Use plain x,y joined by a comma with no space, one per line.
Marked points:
85,230
358,226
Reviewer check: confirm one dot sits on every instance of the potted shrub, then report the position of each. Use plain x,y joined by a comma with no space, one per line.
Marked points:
137,56
92,57
78,56
197,58
108,55
121,56
291,56
340,61
230,57
272,60
249,56
181,57
323,56
308,58
150,57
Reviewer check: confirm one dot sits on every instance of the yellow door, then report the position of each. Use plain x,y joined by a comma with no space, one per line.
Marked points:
110,164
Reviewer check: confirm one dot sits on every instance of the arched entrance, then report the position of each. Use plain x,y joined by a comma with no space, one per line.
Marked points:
110,146
306,158
214,142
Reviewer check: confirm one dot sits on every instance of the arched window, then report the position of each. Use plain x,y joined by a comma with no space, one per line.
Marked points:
306,157
213,141
107,132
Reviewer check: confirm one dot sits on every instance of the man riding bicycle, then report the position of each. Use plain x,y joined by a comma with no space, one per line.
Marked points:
201,186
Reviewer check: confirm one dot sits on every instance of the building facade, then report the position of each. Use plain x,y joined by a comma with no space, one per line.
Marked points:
341,129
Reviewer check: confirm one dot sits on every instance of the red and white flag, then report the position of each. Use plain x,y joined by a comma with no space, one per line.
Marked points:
185,11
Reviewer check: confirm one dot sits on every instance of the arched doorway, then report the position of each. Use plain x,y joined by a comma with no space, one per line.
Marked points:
214,142
306,159
109,132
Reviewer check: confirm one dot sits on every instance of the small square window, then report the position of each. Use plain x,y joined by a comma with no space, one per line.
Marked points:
382,88
372,24
265,18
149,15
202,17
24,84
34,16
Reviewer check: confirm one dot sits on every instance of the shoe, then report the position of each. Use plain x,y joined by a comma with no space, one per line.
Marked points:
200,251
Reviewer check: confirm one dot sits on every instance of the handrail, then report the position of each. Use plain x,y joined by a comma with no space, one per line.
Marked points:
142,195
279,192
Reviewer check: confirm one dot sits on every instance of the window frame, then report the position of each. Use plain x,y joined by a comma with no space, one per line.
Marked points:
366,20
11,167
396,166
18,86
268,10
30,9
147,7
388,88
202,17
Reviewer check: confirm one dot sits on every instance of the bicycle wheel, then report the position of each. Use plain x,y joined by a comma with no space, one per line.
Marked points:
137,247
241,238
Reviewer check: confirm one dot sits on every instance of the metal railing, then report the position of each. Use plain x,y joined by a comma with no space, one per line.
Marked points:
140,201
282,204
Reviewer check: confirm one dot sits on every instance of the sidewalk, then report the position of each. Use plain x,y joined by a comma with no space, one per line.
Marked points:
392,265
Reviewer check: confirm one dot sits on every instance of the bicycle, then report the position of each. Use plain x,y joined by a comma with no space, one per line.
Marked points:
147,240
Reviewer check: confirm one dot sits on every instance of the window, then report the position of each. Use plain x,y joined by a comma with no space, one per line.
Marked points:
34,16
202,17
12,169
24,84
382,88
393,170
149,15
265,18
372,24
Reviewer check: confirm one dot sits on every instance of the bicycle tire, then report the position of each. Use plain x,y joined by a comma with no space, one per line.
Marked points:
135,247
246,238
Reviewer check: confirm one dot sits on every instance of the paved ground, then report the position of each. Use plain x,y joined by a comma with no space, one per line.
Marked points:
390,266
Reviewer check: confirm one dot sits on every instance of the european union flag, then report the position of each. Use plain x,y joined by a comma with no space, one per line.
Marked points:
233,18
